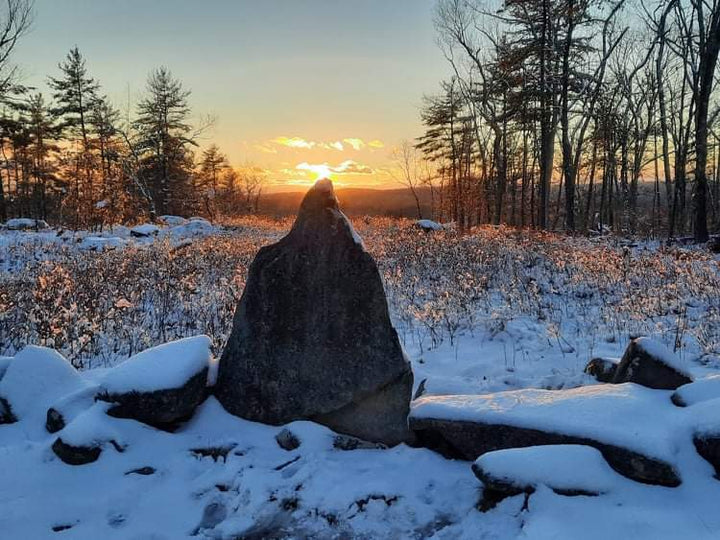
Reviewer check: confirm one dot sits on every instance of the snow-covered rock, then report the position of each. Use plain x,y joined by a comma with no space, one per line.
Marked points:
192,228
69,407
82,441
145,230
25,224
172,221
160,386
566,469
99,243
35,379
697,392
649,363
624,422
428,225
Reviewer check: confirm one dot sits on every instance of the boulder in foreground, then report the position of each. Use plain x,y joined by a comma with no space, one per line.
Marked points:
566,469
312,337
161,386
621,421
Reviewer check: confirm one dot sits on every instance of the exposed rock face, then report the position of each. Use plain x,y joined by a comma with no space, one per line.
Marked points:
76,455
603,369
163,409
468,440
708,446
650,364
312,337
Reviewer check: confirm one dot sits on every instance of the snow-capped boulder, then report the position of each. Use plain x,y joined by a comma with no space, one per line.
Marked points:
603,369
172,221
25,224
650,363
198,219
704,421
69,407
566,469
160,386
312,337
194,227
697,392
35,379
83,440
428,225
99,243
624,422
145,230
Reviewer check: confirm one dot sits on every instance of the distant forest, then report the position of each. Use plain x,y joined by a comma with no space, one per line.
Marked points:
563,115
557,111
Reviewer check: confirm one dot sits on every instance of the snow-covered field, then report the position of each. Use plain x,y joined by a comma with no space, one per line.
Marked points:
493,311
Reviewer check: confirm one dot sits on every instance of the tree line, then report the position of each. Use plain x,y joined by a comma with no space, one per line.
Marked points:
580,115
72,158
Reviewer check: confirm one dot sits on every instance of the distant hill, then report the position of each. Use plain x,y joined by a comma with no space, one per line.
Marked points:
354,202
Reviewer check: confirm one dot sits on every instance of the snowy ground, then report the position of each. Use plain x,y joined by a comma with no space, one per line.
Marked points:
492,312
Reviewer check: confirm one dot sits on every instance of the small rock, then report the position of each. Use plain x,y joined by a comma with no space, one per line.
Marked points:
603,369
6,414
142,471
345,442
76,455
708,446
287,440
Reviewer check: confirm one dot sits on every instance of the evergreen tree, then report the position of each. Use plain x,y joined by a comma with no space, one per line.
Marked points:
164,141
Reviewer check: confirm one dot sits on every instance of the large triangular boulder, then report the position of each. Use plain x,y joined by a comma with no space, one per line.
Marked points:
312,337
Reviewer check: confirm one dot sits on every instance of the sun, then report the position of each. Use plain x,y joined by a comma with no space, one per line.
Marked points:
320,171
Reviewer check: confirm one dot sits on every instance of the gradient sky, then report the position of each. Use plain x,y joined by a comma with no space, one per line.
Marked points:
290,82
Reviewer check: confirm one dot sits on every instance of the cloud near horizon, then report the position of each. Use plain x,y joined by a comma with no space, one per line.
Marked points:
346,167
299,143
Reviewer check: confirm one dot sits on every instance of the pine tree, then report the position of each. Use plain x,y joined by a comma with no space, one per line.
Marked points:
165,137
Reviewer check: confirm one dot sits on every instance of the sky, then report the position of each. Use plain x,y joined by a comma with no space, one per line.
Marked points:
300,88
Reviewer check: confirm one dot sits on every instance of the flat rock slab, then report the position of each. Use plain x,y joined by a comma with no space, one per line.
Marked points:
312,337
622,421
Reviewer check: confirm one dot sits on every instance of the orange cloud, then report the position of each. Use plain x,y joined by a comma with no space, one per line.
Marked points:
346,167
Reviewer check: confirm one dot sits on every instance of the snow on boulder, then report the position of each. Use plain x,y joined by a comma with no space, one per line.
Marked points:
172,221
624,422
160,386
99,243
69,407
25,224
704,421
144,231
428,225
83,440
192,228
199,219
697,392
649,363
567,469
603,369
35,379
